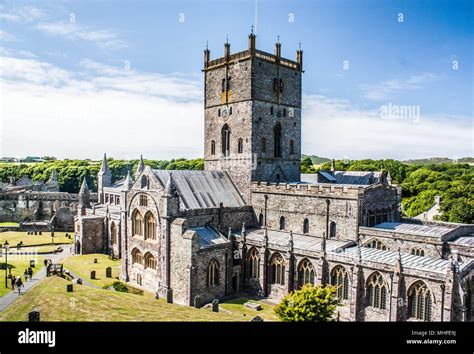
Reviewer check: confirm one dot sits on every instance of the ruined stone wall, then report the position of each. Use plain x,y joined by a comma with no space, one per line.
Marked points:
90,234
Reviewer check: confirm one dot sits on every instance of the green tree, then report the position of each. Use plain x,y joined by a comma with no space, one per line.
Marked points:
309,304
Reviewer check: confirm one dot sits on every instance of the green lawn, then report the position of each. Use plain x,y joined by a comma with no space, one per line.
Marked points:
9,224
91,304
19,263
83,265
236,307
14,237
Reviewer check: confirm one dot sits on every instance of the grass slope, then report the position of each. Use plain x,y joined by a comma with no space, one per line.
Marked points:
83,265
19,263
92,304
14,237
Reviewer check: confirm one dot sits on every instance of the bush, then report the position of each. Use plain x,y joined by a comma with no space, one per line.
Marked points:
309,304
119,286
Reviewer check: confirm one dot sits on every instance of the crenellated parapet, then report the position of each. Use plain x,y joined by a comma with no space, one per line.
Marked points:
304,189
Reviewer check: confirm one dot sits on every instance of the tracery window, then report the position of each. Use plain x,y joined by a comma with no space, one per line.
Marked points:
376,291
278,269
305,273
137,257
212,273
419,302
150,261
150,226
376,244
137,223
340,280
253,259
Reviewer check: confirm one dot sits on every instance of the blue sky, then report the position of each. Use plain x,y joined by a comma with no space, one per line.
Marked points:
66,86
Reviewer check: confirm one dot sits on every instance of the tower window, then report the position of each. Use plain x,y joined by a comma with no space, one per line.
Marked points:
281,85
263,145
225,140
306,226
271,110
230,111
284,112
219,112
223,85
292,147
275,85
332,229
240,146
282,223
228,83
213,147
277,140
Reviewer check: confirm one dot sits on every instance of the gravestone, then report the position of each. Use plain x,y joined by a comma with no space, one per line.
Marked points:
36,233
197,301
52,233
95,260
256,319
253,306
69,288
93,274
108,272
79,281
169,296
40,233
215,305
34,316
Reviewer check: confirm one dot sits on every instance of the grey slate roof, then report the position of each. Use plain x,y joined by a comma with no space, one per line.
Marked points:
359,178
415,229
430,264
203,189
464,241
301,242
208,236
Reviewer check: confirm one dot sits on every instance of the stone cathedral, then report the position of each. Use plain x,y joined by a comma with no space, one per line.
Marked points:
250,222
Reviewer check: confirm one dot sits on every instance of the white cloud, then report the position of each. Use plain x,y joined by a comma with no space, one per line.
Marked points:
50,111
6,37
335,128
22,14
72,31
386,89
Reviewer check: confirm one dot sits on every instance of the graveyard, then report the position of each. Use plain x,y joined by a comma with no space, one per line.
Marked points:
83,265
43,239
86,303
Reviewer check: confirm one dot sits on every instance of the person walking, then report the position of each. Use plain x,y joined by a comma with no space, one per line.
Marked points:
25,274
12,282
19,284
30,273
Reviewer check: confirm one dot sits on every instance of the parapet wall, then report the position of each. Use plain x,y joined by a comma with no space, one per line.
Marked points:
317,190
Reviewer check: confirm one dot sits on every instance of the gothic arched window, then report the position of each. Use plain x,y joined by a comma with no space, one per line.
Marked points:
137,223
137,257
377,244
376,291
150,261
282,222
240,146
306,226
332,229
260,220
228,83
419,302
277,140
305,273
150,226
340,280
278,269
225,140
263,145
253,260
417,252
292,147
223,85
213,147
212,273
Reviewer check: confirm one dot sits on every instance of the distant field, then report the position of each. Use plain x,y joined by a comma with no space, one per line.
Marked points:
14,237
91,304
9,224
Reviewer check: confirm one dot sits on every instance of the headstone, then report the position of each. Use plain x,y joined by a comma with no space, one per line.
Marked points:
69,288
40,233
79,281
32,263
253,306
197,301
36,233
52,233
108,272
215,305
256,319
95,260
34,316
93,274
169,296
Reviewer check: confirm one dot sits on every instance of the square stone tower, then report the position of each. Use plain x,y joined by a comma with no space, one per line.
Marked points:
253,115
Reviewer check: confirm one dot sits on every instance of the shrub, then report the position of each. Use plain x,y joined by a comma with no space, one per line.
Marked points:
309,304
119,286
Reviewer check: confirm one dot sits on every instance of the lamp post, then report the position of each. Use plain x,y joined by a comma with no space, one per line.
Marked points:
7,247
